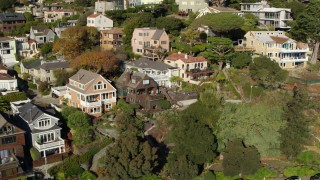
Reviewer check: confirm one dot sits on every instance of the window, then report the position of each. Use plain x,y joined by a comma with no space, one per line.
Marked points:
108,106
163,42
47,71
168,61
140,34
44,123
145,82
140,42
43,138
9,140
99,85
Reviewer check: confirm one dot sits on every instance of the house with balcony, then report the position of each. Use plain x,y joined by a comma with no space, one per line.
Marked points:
9,21
111,39
42,129
158,71
99,21
12,142
268,16
55,15
26,47
8,50
8,83
133,3
217,9
147,41
278,47
192,5
42,34
90,92
192,69
102,6
138,88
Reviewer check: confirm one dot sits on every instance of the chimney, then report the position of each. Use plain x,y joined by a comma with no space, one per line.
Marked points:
186,56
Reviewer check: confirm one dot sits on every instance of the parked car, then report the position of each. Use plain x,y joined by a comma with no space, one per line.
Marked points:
294,178
315,177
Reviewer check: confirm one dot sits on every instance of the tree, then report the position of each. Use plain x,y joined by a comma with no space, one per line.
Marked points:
161,53
68,110
267,72
4,105
219,22
241,60
295,134
75,40
62,76
170,24
250,22
306,27
127,124
190,36
78,119
43,86
87,175
239,159
105,61
130,157
179,167
28,16
4,5
46,49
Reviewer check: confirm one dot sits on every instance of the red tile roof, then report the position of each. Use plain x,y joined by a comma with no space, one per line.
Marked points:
279,40
5,77
32,41
189,59
94,15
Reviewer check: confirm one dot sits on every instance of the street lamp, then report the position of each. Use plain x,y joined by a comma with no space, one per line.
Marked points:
250,92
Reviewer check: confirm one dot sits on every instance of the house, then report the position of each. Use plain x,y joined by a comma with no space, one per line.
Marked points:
207,30
99,21
192,5
62,26
192,69
11,149
159,71
42,129
103,6
7,83
41,70
111,39
42,34
91,93
55,15
8,50
216,9
139,88
133,3
9,21
277,46
268,16
26,47
147,41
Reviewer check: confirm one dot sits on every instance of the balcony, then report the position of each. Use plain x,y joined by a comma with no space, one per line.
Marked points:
109,100
90,103
284,60
199,71
287,50
54,144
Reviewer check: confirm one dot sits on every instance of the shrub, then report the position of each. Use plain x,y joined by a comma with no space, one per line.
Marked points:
256,90
261,174
16,96
299,171
164,104
87,175
241,60
25,76
43,86
34,153
32,86
308,157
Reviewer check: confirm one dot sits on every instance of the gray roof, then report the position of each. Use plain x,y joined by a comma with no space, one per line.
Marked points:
54,65
12,17
84,76
32,64
127,76
30,112
146,63
157,34
3,121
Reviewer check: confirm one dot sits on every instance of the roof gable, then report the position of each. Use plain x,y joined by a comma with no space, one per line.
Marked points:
84,76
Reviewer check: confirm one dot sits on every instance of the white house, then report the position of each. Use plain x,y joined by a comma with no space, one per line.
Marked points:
26,48
99,21
8,51
103,6
43,129
133,3
159,71
7,83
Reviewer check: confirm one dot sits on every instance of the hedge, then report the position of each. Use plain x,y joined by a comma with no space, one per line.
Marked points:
34,153
16,96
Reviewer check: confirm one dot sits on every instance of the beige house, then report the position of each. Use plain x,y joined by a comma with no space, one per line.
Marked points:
192,69
111,39
146,41
277,46
52,16
91,93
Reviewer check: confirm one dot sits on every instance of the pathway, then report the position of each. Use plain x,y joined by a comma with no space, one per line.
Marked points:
96,157
232,83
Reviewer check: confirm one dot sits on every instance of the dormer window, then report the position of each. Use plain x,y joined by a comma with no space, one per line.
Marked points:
133,81
44,123
100,85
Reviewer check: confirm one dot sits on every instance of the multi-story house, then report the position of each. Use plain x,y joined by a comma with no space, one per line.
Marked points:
42,34
90,92
8,50
103,6
139,88
55,15
133,3
12,142
268,16
159,71
146,41
192,5
192,69
9,21
7,83
40,70
216,9
26,47
41,126
62,26
277,46
111,39
99,21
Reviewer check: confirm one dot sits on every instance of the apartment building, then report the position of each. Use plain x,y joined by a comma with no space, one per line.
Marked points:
102,6
268,16
55,15
146,41
42,34
90,92
277,46
159,71
192,69
8,50
41,126
133,3
192,5
9,21
99,21
12,142
111,39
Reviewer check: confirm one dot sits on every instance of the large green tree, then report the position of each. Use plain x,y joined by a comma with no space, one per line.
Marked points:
180,168
240,60
307,27
239,159
170,24
4,5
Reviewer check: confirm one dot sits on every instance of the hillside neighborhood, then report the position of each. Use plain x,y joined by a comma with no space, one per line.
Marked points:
159,89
